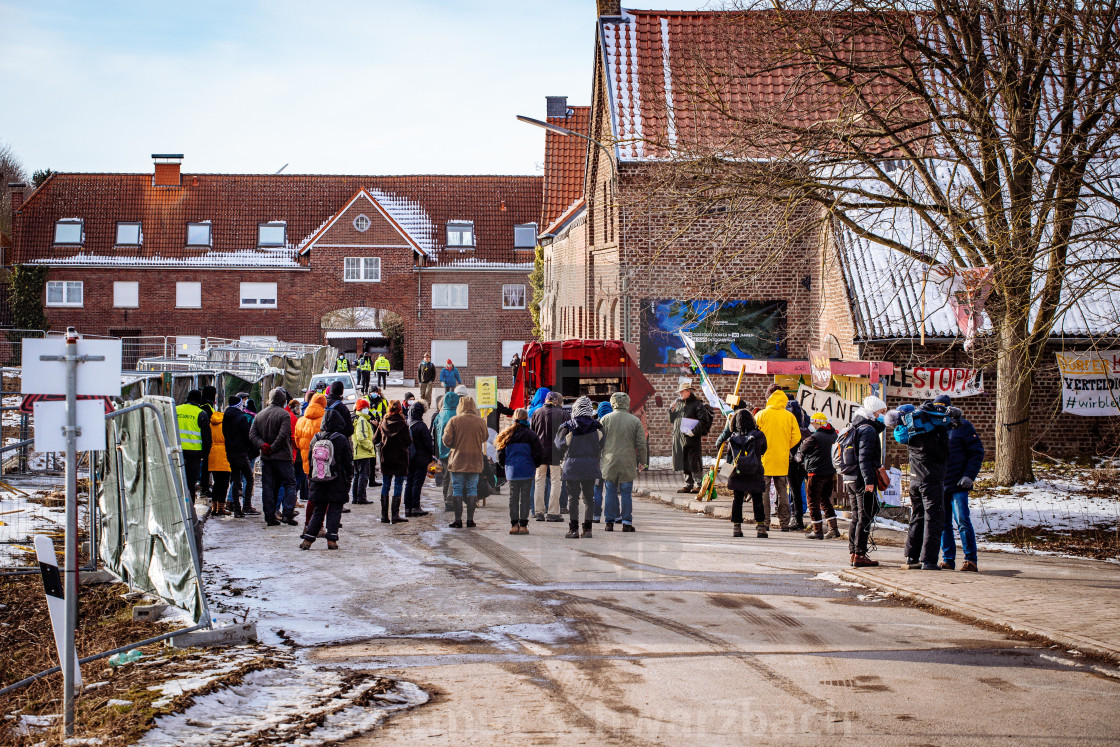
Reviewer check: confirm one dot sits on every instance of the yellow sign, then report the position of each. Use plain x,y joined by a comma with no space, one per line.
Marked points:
486,392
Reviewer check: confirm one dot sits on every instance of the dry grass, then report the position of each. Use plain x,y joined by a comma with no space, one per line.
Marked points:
1099,543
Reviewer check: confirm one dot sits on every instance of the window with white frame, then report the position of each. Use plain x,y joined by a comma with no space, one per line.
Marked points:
362,223
64,293
453,350
525,236
188,295
449,296
129,234
258,295
185,345
513,296
362,269
271,234
126,294
198,234
509,349
460,234
69,231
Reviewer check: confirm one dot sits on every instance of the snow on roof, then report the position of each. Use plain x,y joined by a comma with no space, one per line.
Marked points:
280,257
481,264
410,215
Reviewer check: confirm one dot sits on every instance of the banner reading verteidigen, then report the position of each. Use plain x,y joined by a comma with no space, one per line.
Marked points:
1090,382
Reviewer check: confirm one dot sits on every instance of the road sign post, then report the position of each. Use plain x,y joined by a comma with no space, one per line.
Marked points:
103,379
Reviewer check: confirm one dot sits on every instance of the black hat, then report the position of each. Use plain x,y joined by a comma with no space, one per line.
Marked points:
194,397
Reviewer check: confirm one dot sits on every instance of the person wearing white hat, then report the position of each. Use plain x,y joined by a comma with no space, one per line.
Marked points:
691,420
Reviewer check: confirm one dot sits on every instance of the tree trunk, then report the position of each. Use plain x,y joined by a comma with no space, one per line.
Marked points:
1014,382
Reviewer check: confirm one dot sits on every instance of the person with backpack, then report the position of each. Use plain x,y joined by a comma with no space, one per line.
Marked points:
465,437
335,402
393,439
859,455
364,452
783,433
624,453
688,441
271,432
580,440
420,456
745,448
546,422
796,471
332,470
519,453
814,457
925,431
966,454
307,426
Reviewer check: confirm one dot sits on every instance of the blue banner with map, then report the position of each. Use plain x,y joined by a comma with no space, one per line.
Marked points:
719,329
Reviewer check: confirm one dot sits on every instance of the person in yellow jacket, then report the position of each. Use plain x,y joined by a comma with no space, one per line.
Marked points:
782,433
363,450
218,464
381,368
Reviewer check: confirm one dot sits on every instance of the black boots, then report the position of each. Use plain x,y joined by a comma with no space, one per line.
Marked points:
586,529
573,530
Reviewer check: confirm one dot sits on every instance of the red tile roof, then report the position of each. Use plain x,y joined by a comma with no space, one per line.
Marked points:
236,203
565,157
679,77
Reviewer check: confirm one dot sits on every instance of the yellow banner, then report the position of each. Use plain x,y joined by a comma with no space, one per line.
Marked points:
486,392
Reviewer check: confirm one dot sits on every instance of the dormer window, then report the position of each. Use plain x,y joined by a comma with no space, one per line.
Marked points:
69,231
525,236
198,234
460,234
271,234
129,234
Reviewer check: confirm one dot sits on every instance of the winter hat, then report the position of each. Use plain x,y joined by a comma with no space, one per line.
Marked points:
234,400
408,396
819,418
336,388
449,362
604,409
943,399
194,397
209,393
583,407
462,390
555,398
361,404
873,404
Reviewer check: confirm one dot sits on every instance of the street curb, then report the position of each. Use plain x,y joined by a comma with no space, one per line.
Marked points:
1064,638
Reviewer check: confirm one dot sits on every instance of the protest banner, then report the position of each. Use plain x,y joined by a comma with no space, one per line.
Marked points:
706,386
838,410
1090,382
486,392
927,382
820,368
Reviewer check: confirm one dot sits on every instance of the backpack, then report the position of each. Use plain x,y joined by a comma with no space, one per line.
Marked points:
845,452
322,461
914,421
745,456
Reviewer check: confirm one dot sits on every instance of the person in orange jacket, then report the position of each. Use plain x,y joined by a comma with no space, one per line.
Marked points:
306,428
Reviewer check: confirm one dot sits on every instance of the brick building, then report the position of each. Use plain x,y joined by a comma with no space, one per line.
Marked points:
241,256
632,236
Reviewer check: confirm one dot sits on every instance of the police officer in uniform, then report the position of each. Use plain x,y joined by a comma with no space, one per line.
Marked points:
195,437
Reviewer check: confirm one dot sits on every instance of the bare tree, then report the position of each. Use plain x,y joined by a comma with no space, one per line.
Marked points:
11,170
957,133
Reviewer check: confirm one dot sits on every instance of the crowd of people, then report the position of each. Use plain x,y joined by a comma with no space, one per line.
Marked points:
316,452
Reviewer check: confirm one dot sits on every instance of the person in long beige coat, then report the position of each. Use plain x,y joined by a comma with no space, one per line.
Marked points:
624,452
465,436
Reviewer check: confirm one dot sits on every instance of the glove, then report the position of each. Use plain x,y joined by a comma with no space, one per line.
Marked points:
266,449
965,483
687,433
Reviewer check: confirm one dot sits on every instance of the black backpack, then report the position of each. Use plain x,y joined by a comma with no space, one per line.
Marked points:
845,452
745,456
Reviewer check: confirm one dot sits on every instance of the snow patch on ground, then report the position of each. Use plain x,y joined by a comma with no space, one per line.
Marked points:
1058,503
666,462
832,578
284,706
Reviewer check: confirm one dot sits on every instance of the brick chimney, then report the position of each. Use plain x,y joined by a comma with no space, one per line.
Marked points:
17,189
609,7
556,106
167,169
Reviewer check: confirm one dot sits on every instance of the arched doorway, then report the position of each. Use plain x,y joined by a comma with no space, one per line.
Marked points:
362,329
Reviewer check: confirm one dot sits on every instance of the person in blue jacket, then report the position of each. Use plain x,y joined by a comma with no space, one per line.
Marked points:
520,453
449,377
966,453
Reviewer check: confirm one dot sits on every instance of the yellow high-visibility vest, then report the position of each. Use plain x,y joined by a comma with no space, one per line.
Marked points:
364,365
190,435
382,364
341,365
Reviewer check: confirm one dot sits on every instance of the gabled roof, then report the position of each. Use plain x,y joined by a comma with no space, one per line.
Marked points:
565,158
666,71
235,203
402,214
573,211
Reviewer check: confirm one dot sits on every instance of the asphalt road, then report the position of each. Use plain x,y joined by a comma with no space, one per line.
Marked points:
675,634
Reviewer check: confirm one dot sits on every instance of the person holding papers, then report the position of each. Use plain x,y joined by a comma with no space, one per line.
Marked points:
691,421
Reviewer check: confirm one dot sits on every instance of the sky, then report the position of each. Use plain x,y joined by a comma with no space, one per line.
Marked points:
332,86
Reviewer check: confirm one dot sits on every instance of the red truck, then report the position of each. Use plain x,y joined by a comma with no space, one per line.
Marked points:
595,368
